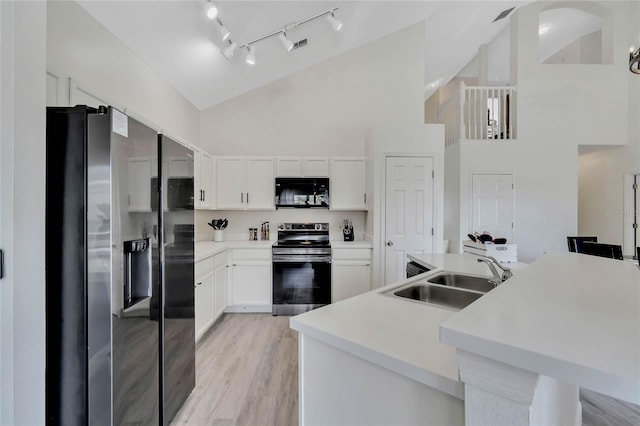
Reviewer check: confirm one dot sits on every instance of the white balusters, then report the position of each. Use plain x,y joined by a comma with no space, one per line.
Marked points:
479,113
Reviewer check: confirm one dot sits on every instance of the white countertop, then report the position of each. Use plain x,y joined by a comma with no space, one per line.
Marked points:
394,333
569,316
206,249
340,244
463,263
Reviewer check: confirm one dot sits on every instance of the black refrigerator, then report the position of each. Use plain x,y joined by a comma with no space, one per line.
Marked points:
120,345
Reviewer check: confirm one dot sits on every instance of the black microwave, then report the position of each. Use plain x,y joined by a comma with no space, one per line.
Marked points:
302,192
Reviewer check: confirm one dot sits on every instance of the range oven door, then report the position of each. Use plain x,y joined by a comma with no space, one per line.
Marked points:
300,280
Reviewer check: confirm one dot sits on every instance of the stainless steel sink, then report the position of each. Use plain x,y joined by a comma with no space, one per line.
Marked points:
470,282
439,295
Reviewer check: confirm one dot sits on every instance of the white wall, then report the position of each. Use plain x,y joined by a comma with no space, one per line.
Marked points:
79,47
559,107
325,109
601,207
22,115
585,50
452,228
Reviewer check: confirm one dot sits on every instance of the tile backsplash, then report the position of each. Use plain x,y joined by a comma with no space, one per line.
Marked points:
241,221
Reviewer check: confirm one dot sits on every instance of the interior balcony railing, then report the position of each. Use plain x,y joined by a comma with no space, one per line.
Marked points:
479,113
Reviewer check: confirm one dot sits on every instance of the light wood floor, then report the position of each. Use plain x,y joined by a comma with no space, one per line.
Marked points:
247,374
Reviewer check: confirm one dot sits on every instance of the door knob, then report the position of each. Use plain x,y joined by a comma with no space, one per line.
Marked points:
389,243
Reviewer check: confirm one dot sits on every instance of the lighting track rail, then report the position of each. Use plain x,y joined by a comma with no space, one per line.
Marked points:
281,33
283,30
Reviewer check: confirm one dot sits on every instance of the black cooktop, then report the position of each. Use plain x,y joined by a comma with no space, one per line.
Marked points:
303,235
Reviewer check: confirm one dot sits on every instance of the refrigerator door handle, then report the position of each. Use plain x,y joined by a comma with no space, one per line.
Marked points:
127,280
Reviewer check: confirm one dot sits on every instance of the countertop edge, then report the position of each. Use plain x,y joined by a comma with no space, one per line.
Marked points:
426,377
595,380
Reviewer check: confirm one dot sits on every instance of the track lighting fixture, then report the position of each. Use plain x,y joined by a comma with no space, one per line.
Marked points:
251,55
210,9
288,44
335,24
634,60
222,30
228,51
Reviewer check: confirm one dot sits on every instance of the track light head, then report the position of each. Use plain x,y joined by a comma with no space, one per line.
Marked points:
288,44
222,30
228,51
634,60
210,9
251,55
335,24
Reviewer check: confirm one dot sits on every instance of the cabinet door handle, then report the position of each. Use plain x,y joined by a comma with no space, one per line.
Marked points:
204,195
242,198
197,284
247,198
365,198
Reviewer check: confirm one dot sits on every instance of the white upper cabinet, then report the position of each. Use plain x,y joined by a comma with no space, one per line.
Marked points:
288,167
302,167
230,182
139,184
203,188
348,184
245,183
260,184
315,167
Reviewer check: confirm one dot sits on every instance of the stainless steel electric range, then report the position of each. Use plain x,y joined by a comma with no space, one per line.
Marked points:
301,268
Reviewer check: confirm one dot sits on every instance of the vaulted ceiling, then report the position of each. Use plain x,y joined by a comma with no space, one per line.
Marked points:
177,40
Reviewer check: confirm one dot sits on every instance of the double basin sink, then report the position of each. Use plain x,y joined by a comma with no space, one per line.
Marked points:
448,289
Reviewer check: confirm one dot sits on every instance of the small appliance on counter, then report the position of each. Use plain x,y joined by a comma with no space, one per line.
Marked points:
347,229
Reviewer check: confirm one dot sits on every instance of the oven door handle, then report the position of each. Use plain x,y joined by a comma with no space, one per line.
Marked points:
301,259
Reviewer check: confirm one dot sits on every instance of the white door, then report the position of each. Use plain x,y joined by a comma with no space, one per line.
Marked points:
408,212
492,205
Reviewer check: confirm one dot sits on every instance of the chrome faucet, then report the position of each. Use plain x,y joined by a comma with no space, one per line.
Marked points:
492,263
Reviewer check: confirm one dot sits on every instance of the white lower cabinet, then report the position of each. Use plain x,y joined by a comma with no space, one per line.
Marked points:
220,284
203,297
249,289
210,292
351,273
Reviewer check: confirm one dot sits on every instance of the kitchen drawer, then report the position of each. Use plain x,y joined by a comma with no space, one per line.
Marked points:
351,253
204,267
220,260
252,254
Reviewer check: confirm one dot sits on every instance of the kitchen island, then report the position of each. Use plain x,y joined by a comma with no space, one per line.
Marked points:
378,359
523,349
567,321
